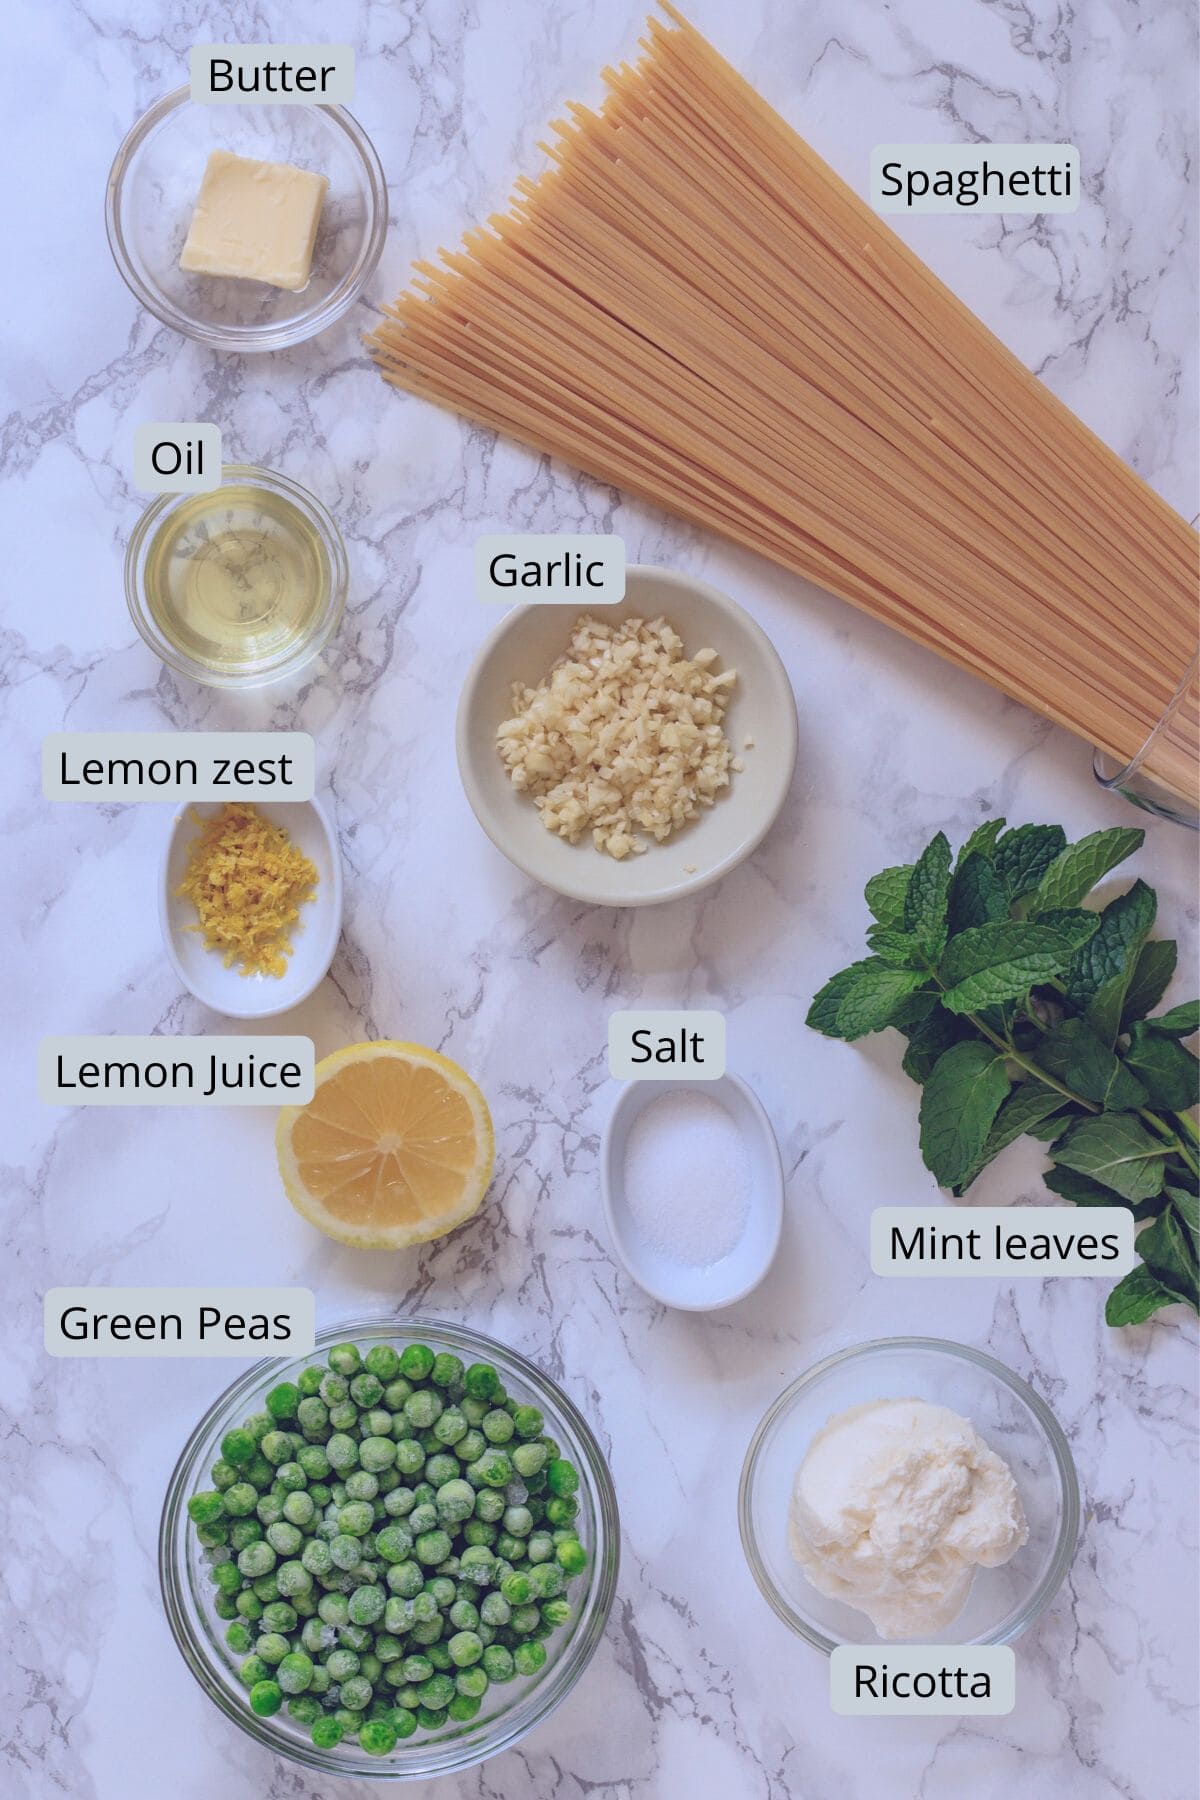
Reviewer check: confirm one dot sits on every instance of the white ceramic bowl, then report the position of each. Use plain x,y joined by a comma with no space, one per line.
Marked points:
314,939
689,1287
524,645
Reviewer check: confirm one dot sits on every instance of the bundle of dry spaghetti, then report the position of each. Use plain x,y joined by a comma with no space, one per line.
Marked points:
690,305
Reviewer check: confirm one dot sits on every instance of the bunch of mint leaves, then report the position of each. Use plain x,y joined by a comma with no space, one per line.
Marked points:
1027,1013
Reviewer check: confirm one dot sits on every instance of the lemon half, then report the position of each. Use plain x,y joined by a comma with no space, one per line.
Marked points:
394,1148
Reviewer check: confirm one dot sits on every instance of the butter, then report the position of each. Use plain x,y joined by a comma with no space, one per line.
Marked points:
255,221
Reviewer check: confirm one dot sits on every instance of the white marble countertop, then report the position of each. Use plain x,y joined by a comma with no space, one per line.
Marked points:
697,1690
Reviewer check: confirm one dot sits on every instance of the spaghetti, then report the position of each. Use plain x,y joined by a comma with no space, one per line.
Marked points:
691,305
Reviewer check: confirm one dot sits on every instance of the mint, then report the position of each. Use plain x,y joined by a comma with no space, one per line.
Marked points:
861,999
927,897
1150,980
1117,1151
1028,1013
885,892
962,1096
988,963
1022,856
1077,868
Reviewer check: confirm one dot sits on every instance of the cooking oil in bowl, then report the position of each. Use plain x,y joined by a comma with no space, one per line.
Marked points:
239,584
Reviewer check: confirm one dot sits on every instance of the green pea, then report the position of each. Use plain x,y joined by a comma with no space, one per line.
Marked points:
366,1390
497,1426
562,1477
207,1508
572,1557
432,1720
556,1612
283,1400
465,1649
382,1362
266,1697
272,1646
529,1658
304,1709
410,1458
404,1722
481,1381
377,1737
416,1362
309,1380
327,1732
367,1605
294,1673
238,1446
238,1638
377,1453
473,1681
562,1509
463,1706
344,1359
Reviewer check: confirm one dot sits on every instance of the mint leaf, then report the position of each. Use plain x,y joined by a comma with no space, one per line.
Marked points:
899,949
1136,1297
1150,980
1023,855
1082,1190
1114,947
1168,1249
1076,870
1182,1021
989,963
929,1040
928,894
885,892
909,1012
1116,1150
982,840
861,998
977,896
959,1101
1074,1055
1028,1104
1073,922
1169,1073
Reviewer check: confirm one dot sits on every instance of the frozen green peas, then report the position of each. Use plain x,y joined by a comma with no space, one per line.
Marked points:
388,1536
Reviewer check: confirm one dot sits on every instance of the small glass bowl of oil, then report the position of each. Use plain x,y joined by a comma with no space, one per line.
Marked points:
238,586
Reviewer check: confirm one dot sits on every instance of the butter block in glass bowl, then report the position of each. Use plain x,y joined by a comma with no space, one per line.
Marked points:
255,221
164,164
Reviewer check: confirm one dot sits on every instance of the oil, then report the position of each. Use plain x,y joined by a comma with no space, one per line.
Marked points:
237,579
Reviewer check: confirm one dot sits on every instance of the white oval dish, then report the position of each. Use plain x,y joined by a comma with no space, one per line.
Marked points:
689,1287
314,939
524,645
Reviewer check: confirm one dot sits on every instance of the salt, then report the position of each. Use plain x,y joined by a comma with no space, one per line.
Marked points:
687,1177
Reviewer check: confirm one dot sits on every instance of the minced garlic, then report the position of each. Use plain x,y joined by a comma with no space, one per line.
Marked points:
623,736
247,881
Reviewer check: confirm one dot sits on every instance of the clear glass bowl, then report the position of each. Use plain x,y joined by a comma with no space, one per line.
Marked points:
1008,1415
509,1711
152,188
332,578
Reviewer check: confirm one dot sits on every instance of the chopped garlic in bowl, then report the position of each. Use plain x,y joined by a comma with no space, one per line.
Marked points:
623,737
681,790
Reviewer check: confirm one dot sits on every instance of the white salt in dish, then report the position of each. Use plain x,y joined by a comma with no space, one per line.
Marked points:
661,1141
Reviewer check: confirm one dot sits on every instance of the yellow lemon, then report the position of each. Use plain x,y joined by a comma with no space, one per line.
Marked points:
395,1146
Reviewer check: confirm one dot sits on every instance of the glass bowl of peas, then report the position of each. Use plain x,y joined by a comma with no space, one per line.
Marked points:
393,1558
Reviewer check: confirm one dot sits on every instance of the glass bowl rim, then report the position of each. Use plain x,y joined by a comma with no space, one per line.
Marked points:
282,336
605,1564
1068,1534
250,475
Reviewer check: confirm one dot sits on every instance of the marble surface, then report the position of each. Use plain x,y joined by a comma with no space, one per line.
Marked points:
697,1689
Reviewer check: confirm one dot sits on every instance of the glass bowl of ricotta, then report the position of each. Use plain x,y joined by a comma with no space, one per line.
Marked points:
152,190
1002,1601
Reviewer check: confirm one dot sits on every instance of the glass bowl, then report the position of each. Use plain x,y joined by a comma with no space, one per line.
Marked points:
509,1711
324,549
152,188
1010,1418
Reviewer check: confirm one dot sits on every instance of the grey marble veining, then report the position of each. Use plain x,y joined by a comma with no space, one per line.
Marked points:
697,1689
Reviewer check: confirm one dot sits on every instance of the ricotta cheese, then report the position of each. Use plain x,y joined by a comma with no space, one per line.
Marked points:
895,1506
